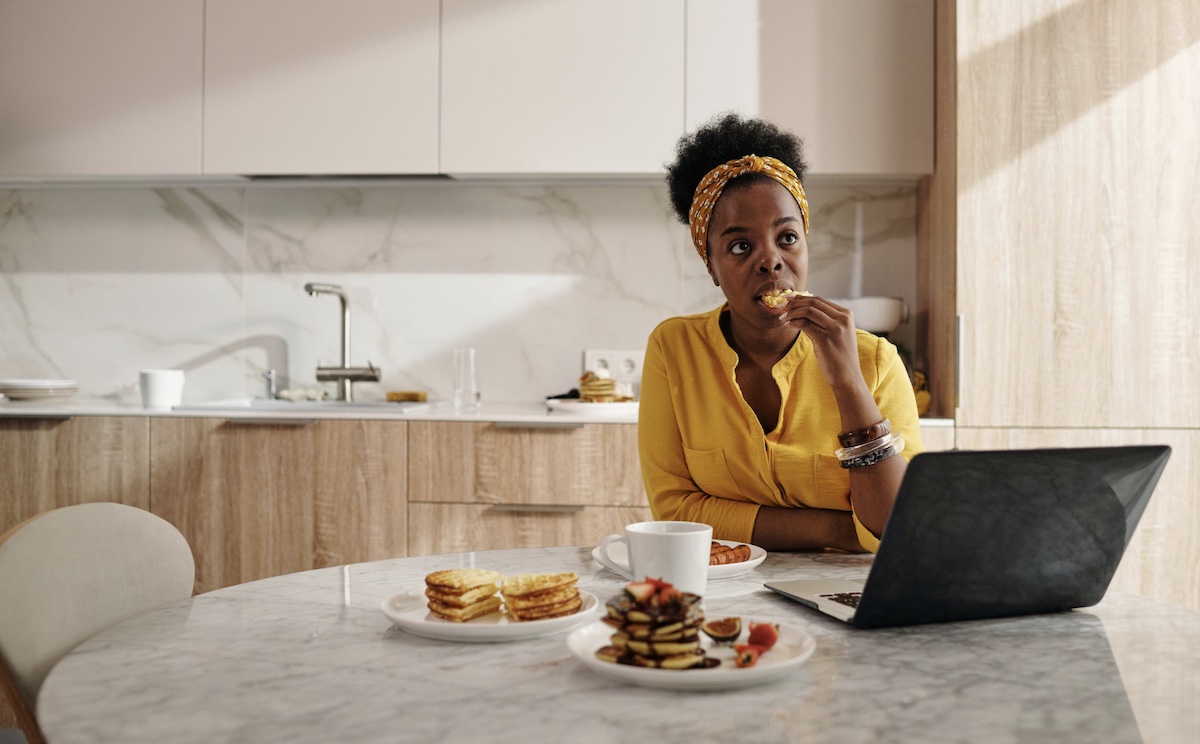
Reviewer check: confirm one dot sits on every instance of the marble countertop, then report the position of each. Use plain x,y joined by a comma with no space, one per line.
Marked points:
529,413
310,657
533,413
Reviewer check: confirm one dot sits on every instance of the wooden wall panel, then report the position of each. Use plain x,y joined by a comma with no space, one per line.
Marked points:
937,292
1078,242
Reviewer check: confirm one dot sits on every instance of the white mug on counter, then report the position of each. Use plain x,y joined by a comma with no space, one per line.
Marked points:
676,552
162,389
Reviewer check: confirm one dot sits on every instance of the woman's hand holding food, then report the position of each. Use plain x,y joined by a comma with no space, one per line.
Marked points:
830,327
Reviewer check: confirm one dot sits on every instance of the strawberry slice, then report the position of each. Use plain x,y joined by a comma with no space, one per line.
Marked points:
747,654
641,591
763,635
659,584
664,591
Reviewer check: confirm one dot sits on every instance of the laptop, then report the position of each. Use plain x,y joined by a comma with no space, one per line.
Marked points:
983,534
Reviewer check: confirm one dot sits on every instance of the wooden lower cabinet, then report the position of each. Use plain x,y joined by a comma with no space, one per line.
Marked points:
55,461
937,438
477,486
258,499
58,461
1163,558
456,528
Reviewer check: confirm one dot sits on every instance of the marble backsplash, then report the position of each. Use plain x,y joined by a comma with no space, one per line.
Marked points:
101,282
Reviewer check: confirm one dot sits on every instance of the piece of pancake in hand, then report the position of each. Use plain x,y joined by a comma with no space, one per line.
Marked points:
780,297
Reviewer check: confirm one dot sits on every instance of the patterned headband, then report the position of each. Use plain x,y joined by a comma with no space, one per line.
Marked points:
718,178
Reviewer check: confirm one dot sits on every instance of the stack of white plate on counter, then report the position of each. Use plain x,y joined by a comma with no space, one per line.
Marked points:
38,390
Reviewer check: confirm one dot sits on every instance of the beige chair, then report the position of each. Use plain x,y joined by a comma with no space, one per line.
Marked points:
69,573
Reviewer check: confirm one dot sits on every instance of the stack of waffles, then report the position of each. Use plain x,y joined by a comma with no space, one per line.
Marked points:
541,596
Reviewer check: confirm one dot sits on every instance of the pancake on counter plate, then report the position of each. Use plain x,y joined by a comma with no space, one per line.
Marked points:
462,594
541,596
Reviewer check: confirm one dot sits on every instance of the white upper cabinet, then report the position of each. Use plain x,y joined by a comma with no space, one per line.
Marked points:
561,86
854,78
464,87
100,88
318,87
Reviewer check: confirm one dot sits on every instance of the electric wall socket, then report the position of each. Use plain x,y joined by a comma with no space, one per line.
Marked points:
624,366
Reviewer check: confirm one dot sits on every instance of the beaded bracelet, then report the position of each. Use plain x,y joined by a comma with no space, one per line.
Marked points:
862,436
878,455
849,453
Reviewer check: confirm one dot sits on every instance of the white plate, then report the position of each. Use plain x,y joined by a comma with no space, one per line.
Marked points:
617,551
37,384
793,648
591,408
22,394
409,611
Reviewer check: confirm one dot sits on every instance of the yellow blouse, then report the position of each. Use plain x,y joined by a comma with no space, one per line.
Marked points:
704,454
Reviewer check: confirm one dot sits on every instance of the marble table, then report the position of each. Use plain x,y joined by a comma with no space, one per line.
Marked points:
310,657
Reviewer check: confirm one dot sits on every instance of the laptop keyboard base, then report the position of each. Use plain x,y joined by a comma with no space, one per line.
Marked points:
850,599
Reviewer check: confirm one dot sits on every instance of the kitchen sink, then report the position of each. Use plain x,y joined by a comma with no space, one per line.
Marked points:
302,406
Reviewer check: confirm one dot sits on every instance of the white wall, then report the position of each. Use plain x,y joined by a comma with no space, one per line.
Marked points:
98,283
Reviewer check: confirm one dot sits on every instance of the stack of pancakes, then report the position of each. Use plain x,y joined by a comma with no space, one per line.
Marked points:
541,596
462,594
656,626
597,388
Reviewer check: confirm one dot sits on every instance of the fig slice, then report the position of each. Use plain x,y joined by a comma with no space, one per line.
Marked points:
723,631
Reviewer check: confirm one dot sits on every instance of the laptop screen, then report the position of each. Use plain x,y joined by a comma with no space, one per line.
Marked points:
993,533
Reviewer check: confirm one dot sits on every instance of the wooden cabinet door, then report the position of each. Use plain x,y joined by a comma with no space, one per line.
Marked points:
570,86
1078,243
100,88
264,499
1163,559
60,461
55,461
477,486
854,78
937,438
454,528
487,463
314,87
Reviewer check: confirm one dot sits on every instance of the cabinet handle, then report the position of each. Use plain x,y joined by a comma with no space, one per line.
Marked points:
538,424
43,416
269,422
546,508
958,357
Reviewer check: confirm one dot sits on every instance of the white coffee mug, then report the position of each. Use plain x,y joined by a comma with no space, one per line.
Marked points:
676,552
162,389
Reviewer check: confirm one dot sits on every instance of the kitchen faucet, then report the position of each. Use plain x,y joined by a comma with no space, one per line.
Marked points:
345,374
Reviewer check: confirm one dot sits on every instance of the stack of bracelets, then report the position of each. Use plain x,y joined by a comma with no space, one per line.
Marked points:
868,446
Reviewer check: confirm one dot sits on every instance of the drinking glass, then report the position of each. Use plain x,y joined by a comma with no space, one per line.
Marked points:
466,388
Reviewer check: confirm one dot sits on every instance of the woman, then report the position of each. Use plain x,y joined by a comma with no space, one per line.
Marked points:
778,426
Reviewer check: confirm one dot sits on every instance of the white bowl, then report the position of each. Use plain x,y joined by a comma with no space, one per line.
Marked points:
876,314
